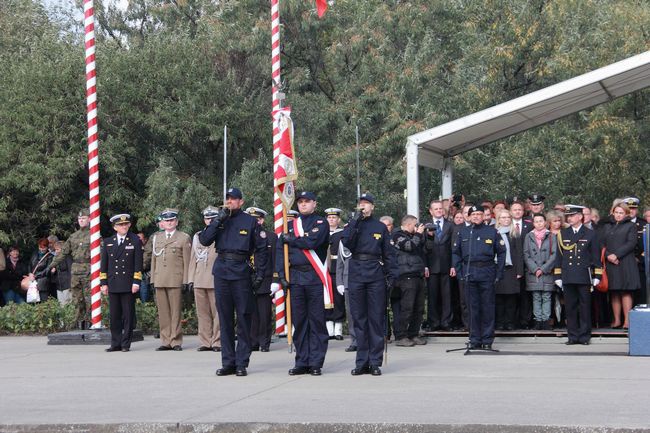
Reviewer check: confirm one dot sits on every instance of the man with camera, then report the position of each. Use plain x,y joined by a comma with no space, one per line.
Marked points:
373,264
237,236
474,252
410,245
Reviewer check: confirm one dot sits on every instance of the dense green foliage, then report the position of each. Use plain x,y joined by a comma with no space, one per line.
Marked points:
172,73
48,317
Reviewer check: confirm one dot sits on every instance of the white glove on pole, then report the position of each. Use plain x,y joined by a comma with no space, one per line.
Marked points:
340,289
558,283
274,288
595,281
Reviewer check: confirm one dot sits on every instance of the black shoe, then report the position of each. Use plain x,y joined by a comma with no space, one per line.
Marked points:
338,337
446,329
164,348
255,349
156,335
473,346
538,325
585,343
226,371
297,371
203,349
360,370
177,348
375,370
113,349
571,343
241,371
125,349
509,328
216,349
486,347
331,337
351,348
264,349
316,371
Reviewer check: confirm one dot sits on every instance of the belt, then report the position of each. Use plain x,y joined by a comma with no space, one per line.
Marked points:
481,264
233,256
302,268
365,257
80,262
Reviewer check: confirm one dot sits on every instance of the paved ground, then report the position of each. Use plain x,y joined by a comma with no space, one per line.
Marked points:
531,382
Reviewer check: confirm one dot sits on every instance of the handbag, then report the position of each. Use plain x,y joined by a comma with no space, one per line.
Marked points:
33,295
603,286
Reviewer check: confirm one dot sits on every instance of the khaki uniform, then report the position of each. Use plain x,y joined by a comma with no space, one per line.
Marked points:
170,262
78,247
200,275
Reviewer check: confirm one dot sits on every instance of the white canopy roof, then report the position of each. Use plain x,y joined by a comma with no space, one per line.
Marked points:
534,109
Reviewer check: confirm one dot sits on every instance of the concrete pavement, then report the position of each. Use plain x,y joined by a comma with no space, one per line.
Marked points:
532,385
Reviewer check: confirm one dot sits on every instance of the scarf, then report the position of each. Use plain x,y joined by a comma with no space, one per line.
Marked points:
504,231
539,236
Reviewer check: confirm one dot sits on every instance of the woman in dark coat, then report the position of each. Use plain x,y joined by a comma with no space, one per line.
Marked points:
507,290
39,265
621,267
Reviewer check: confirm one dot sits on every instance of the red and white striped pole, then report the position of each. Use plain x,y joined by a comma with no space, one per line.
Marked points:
93,165
280,320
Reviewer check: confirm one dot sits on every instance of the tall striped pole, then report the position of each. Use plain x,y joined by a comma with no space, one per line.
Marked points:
278,214
93,164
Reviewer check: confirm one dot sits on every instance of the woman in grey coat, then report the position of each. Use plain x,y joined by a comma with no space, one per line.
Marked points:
540,252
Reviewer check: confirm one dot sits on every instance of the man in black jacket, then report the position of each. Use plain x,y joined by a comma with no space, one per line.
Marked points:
438,242
409,242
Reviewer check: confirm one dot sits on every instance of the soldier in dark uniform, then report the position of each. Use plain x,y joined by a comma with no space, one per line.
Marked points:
372,266
474,252
308,241
261,326
334,316
120,276
577,269
633,203
237,236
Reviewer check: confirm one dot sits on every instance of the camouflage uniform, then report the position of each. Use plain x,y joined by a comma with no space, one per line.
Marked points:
78,247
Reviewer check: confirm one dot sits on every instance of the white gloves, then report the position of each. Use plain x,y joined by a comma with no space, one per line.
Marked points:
274,288
340,289
558,283
595,281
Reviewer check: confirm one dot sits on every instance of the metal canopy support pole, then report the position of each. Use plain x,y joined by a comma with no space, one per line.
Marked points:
447,177
412,178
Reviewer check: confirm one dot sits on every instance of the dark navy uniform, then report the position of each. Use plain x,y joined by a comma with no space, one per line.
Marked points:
577,265
237,236
261,325
473,255
121,268
306,289
373,262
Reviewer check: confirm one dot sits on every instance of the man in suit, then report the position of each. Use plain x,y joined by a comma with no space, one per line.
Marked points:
439,239
120,276
170,263
520,230
577,269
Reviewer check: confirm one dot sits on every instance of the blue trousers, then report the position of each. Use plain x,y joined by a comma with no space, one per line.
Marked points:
308,316
368,308
481,298
234,296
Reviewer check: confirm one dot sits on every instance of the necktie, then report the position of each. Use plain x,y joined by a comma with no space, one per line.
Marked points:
169,235
438,228
119,241
517,231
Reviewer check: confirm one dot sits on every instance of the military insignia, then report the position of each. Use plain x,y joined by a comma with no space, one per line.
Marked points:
489,241
376,236
320,222
129,247
315,229
263,234
243,232
109,245
502,242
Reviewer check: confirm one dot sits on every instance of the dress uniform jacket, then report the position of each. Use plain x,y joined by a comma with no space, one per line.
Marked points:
121,266
201,262
336,314
579,258
170,260
200,275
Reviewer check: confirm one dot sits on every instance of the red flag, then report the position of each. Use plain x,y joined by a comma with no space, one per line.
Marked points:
284,164
321,7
